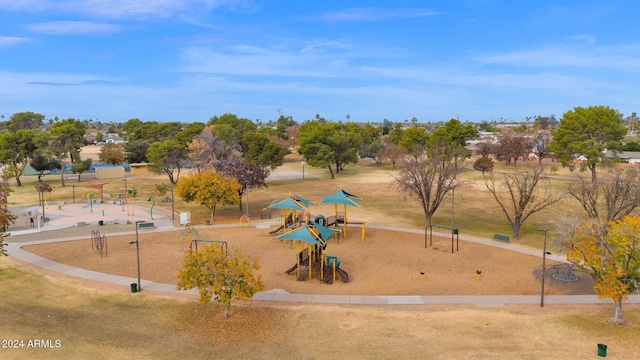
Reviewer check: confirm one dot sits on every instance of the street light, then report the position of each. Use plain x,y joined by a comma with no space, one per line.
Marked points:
246,187
173,211
303,167
453,198
544,256
138,222
41,198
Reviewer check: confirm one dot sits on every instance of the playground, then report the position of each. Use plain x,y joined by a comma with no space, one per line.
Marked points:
385,263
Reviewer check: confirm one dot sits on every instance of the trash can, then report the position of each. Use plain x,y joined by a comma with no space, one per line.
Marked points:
208,222
602,350
134,287
101,222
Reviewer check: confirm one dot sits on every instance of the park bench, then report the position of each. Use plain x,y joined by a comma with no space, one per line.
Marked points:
503,238
146,225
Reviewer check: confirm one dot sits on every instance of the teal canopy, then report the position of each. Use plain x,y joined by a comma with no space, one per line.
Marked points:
292,202
342,197
303,233
324,231
287,203
300,199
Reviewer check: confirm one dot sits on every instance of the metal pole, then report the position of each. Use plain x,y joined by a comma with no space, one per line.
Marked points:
544,256
173,212
247,188
138,253
453,197
126,195
39,197
42,201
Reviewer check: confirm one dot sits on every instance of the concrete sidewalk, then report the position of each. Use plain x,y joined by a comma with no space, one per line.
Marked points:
15,250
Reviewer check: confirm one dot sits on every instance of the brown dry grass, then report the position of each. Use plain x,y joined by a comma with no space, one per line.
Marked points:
103,324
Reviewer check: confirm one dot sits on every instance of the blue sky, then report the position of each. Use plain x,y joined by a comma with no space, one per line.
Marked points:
188,60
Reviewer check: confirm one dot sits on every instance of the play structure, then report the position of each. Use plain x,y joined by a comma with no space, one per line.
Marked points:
195,242
90,200
310,261
99,243
310,236
294,208
428,230
130,201
93,186
340,219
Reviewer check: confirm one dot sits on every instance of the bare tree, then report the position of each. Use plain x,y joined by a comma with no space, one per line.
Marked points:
427,180
540,145
206,149
485,149
513,146
566,230
392,152
519,194
613,195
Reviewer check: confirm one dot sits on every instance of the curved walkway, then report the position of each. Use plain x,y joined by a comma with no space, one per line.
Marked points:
164,224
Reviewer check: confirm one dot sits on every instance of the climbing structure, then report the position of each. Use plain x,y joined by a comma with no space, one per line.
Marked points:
310,261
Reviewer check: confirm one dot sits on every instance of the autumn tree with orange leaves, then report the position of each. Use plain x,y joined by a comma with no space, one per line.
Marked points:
220,276
6,218
208,189
612,256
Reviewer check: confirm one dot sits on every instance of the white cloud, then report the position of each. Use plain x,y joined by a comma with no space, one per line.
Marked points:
120,8
249,60
375,14
328,64
623,57
73,27
6,41
588,39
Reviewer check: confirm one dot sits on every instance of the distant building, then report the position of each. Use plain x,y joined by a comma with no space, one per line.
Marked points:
113,138
631,157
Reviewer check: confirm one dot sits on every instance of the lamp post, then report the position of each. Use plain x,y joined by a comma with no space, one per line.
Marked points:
453,197
303,167
544,256
138,222
246,186
173,212
126,196
41,198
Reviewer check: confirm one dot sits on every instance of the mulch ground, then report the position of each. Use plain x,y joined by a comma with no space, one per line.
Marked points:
386,263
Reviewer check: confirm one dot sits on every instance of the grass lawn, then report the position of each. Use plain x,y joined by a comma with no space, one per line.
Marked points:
107,324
